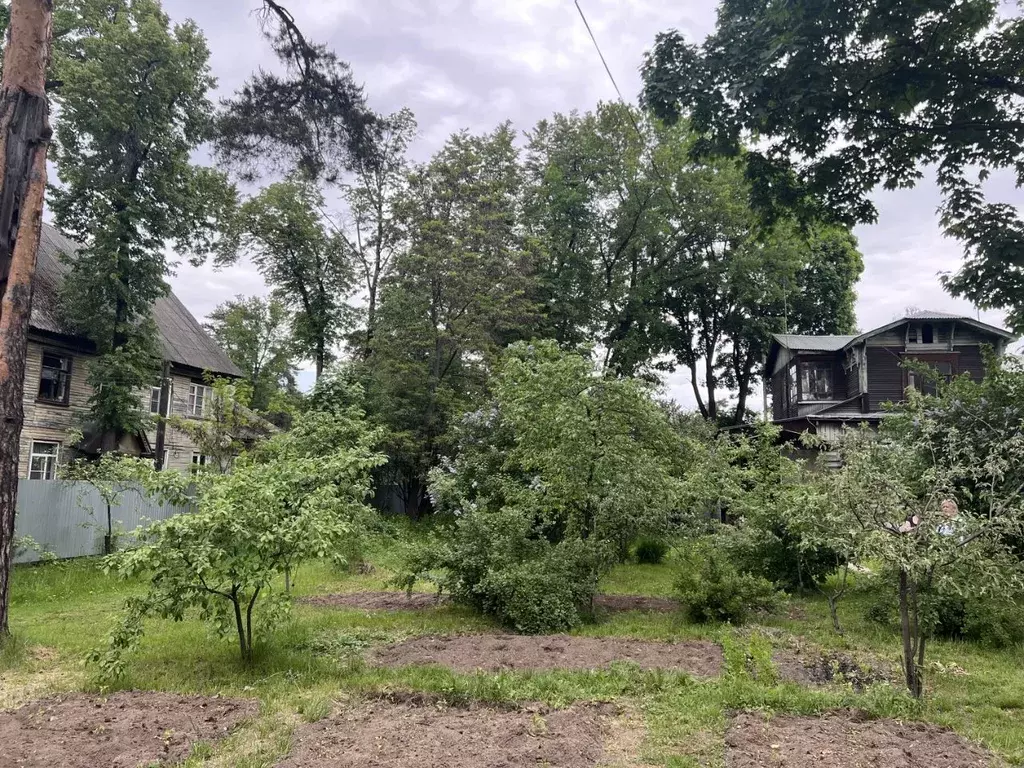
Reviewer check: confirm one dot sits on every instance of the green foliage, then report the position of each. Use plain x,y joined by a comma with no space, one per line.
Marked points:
650,551
551,482
895,502
993,621
228,426
304,262
711,588
644,266
296,497
454,299
256,334
375,203
311,117
848,97
132,106
114,476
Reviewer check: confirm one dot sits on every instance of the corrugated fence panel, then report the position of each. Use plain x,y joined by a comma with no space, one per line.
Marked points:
70,519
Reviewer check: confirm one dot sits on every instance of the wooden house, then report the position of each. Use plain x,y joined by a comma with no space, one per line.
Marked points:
819,384
57,369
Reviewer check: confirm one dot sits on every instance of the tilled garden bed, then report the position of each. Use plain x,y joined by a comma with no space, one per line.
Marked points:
429,734
845,740
494,653
418,601
124,730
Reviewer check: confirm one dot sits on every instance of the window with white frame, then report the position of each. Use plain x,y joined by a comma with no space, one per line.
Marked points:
42,460
154,401
198,399
201,460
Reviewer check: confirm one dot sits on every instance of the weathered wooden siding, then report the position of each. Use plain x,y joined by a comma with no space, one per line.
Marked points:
897,337
885,376
971,361
780,405
51,423
45,421
852,378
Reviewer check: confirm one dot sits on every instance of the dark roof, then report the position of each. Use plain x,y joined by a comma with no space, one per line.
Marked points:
182,338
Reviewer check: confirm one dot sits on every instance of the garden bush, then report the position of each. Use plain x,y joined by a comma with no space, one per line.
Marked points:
989,621
551,482
711,588
651,551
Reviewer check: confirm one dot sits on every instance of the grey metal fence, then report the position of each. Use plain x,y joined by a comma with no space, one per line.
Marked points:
69,519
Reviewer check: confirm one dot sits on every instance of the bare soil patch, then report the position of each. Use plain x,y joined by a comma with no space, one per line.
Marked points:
845,740
377,601
417,601
494,653
426,734
826,667
643,603
124,730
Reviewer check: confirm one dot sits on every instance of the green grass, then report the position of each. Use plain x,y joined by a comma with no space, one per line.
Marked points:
61,611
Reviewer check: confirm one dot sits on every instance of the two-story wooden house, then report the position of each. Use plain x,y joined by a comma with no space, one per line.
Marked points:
822,383
57,369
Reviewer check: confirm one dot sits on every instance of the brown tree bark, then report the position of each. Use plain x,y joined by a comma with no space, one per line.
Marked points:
24,136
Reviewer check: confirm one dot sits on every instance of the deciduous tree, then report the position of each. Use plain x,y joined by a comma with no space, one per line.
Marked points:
844,98
256,334
303,261
455,298
293,498
134,105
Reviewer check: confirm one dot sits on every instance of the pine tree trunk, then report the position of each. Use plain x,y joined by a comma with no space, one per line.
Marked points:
24,135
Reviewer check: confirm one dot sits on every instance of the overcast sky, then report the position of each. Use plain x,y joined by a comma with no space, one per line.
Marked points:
474,63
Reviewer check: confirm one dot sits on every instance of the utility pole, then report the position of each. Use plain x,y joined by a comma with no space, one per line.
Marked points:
164,411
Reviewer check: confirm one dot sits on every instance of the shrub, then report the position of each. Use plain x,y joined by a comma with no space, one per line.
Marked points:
552,481
650,551
711,588
768,548
989,621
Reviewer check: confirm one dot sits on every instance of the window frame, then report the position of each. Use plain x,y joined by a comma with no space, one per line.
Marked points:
158,390
53,459
932,358
805,396
66,372
193,389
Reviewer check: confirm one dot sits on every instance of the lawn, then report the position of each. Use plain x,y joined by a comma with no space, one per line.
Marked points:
316,662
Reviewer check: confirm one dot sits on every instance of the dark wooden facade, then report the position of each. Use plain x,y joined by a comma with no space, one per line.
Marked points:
868,370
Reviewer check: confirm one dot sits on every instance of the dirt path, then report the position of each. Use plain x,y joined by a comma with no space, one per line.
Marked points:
425,734
842,740
418,601
124,730
493,653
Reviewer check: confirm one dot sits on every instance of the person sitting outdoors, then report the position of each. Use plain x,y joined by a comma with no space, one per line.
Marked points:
949,511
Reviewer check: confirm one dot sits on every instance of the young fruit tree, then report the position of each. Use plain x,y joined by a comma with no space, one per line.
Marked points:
934,498
24,136
113,477
553,480
295,497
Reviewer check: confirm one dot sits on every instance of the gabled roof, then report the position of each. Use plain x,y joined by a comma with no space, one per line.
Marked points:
837,343
803,343
931,315
182,338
